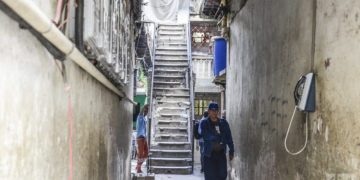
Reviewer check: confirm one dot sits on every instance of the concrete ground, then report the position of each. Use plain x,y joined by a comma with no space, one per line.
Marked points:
196,176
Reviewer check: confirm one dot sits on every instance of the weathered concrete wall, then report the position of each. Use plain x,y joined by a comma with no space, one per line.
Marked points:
34,123
335,135
271,46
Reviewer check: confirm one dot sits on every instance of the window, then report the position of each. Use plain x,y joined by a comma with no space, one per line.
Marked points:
201,106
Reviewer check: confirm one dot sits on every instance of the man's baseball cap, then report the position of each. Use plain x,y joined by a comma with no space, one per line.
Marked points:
213,106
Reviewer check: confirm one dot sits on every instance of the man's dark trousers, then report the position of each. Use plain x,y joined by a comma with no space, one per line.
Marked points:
201,144
215,166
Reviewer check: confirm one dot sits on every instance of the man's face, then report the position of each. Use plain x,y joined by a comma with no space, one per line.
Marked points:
146,110
213,114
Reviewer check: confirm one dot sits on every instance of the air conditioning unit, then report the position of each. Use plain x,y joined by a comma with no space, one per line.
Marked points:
107,33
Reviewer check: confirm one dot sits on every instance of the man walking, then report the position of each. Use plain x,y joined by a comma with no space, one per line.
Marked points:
143,150
217,136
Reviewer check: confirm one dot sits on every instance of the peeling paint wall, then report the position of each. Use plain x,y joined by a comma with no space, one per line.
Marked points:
34,118
270,47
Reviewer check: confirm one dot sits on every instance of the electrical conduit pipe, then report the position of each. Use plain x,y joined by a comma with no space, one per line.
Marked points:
40,22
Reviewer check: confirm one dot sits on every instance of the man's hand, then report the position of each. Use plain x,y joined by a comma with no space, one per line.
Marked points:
231,157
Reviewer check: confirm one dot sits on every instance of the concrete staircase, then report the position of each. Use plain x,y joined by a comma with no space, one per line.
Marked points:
170,146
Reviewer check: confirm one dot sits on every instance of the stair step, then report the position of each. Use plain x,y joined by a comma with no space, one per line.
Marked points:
172,44
174,68
174,143
172,115
172,98
172,49
170,159
169,70
172,24
166,30
172,108
170,73
174,33
171,127
184,137
169,76
180,112
172,64
170,85
171,61
178,58
170,151
168,42
171,52
171,38
171,31
174,102
174,95
171,135
159,92
170,89
171,28
179,121
164,82
180,80
171,56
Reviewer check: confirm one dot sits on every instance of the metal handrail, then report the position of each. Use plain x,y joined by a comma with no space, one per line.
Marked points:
151,129
192,114
190,79
153,70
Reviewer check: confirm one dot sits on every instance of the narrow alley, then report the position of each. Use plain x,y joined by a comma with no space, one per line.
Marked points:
179,89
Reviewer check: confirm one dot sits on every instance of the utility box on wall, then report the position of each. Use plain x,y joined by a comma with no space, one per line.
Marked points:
219,56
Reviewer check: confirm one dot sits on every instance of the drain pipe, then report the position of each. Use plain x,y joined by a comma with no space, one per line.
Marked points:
32,15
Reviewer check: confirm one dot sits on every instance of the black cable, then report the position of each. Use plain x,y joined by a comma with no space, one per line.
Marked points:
297,95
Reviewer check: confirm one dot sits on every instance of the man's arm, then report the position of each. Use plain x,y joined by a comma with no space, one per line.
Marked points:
199,128
229,142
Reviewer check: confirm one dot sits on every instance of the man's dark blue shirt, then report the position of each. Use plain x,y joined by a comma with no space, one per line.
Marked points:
212,136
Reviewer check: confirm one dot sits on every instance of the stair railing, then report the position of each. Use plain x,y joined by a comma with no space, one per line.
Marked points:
151,128
190,75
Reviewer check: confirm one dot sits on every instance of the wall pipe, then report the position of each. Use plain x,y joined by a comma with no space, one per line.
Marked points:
41,23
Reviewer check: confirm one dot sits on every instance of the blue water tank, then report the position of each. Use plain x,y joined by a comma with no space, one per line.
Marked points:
219,55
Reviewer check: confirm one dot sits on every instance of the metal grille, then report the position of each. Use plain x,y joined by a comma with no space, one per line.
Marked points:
201,36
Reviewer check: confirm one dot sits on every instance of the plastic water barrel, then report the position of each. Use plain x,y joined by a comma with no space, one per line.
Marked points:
219,55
